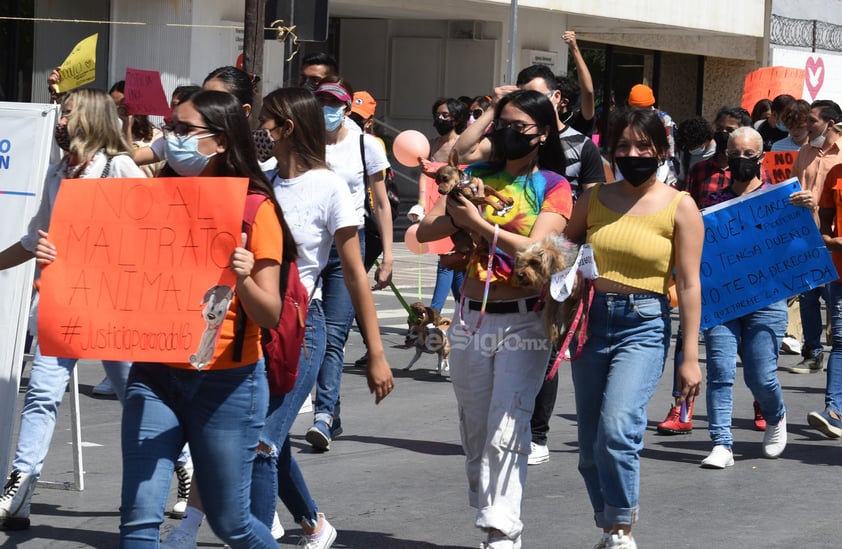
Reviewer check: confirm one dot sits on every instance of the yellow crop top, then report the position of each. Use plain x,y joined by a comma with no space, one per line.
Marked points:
635,250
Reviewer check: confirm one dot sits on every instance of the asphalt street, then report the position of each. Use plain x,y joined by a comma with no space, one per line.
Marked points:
395,478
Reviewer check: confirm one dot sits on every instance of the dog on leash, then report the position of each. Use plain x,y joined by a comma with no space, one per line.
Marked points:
535,265
452,180
430,338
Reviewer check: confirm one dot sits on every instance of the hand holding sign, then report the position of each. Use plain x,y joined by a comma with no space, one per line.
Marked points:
80,66
144,93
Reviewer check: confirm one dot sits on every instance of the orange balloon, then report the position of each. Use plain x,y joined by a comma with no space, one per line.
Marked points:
410,240
408,146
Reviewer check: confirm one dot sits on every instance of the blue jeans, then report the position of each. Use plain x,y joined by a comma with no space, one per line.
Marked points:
446,279
756,338
277,473
811,320
614,379
220,413
833,392
339,315
47,385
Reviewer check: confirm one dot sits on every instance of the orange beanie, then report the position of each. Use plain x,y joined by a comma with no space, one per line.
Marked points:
641,96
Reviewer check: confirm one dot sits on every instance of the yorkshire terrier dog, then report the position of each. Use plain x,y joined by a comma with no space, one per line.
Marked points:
535,265
451,180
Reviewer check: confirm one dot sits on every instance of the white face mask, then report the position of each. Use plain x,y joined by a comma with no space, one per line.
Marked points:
819,140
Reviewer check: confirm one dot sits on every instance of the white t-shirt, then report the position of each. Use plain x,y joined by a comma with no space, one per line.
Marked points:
345,160
122,165
315,205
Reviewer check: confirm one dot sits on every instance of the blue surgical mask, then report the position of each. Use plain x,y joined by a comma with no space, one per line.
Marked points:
697,151
184,157
781,126
333,117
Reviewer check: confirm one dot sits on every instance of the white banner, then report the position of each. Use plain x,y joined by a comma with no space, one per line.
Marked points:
26,136
822,71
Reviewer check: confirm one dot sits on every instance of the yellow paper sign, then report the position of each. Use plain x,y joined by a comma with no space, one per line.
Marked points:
80,66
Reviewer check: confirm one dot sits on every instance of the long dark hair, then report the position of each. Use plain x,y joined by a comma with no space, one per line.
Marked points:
540,109
223,113
643,121
301,107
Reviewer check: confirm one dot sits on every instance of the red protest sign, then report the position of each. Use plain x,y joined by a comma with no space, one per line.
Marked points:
144,93
770,82
135,258
779,164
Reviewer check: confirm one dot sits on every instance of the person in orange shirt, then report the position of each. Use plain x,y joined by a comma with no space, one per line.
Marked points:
219,409
811,166
829,421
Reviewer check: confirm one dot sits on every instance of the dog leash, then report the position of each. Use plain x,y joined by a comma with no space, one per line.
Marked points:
485,292
580,317
400,297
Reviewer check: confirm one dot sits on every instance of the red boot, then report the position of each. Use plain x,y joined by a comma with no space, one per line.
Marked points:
673,425
759,422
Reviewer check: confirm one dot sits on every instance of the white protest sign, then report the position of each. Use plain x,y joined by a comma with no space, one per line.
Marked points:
26,133
561,283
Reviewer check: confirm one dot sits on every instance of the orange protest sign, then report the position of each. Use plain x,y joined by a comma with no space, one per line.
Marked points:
431,196
135,257
144,93
770,82
779,164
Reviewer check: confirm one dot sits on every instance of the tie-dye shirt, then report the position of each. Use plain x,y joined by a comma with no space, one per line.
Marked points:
541,191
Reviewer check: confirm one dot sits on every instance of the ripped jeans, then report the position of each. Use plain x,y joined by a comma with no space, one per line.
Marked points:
496,374
276,472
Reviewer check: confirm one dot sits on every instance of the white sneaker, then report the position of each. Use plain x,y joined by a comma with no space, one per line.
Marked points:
719,458
790,345
774,439
322,539
603,543
104,388
501,542
277,528
15,501
179,538
538,454
620,541
184,475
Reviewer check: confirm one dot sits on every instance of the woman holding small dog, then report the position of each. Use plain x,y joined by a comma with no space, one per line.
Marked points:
639,229
500,349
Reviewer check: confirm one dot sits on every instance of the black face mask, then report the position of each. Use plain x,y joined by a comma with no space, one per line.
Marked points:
62,137
637,169
744,169
309,85
443,126
721,139
511,145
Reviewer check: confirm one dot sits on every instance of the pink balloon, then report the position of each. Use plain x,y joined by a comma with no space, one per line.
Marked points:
410,239
408,146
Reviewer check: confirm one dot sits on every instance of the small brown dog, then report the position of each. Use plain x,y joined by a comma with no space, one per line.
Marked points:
535,265
451,180
428,338
423,315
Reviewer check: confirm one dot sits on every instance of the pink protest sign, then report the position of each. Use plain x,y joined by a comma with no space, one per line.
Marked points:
144,93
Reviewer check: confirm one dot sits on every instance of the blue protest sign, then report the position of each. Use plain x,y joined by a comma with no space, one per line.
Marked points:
759,249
